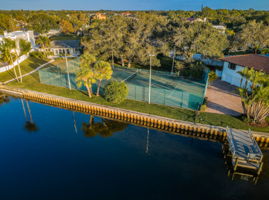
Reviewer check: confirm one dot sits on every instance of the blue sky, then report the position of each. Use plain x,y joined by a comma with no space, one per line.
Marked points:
132,4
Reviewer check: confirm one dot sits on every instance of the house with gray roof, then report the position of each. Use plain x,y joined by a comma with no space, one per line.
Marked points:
64,47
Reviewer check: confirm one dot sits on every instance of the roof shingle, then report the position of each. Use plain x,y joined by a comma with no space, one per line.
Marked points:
258,62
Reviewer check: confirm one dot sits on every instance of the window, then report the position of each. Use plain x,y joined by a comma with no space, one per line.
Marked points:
232,66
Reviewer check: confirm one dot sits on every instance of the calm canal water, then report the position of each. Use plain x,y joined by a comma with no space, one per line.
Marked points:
69,155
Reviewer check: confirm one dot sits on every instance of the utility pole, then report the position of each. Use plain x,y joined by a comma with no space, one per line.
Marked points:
67,70
150,63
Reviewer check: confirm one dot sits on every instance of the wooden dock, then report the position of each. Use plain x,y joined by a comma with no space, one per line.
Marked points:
243,152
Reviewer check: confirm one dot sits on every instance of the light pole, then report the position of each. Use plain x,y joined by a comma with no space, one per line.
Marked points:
67,70
173,63
150,63
147,142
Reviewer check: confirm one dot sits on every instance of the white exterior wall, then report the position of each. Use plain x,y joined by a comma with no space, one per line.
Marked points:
232,76
218,73
16,62
16,35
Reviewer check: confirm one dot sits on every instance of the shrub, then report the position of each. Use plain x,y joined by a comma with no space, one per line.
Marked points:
116,92
203,108
40,54
193,70
267,120
204,105
212,76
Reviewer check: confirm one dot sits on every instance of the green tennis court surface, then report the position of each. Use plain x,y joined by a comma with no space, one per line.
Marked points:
166,89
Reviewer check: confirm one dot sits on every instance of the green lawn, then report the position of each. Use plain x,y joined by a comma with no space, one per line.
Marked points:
26,66
32,82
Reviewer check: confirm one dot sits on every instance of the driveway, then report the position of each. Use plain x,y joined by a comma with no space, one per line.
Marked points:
223,98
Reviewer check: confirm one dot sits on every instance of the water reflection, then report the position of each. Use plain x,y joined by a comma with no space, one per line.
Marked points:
29,124
235,176
105,128
4,99
147,142
75,122
144,162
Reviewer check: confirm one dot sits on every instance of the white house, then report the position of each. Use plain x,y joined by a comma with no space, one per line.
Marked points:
17,35
234,64
221,28
64,47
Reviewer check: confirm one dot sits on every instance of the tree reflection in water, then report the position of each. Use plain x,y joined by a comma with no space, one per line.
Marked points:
105,128
29,124
4,99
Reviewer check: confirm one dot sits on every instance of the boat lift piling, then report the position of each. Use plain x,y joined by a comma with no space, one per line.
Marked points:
243,153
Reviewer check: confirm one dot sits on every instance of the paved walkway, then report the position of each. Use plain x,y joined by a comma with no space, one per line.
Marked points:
223,98
38,68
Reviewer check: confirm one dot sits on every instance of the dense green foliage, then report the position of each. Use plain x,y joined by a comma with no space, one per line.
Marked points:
43,41
92,71
40,55
128,39
255,100
192,70
25,47
116,92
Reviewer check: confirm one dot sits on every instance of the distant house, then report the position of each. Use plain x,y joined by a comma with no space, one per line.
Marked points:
100,16
221,28
234,64
127,14
64,47
193,19
52,32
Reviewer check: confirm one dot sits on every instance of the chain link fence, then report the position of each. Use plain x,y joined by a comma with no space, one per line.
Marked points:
166,88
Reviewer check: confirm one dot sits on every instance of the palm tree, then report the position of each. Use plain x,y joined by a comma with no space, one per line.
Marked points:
7,53
86,76
255,102
103,71
25,48
43,41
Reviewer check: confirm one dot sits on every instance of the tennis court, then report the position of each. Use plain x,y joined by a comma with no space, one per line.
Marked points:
166,88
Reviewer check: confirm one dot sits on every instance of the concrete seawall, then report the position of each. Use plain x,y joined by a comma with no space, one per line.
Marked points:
201,131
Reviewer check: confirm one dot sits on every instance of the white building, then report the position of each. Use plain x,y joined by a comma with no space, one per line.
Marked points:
17,35
221,28
234,64
64,47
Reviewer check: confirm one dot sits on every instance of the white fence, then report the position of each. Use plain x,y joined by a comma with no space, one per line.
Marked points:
19,60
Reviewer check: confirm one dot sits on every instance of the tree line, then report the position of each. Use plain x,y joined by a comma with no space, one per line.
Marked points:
132,40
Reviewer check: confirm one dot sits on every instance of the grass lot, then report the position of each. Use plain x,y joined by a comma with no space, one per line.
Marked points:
32,82
26,66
